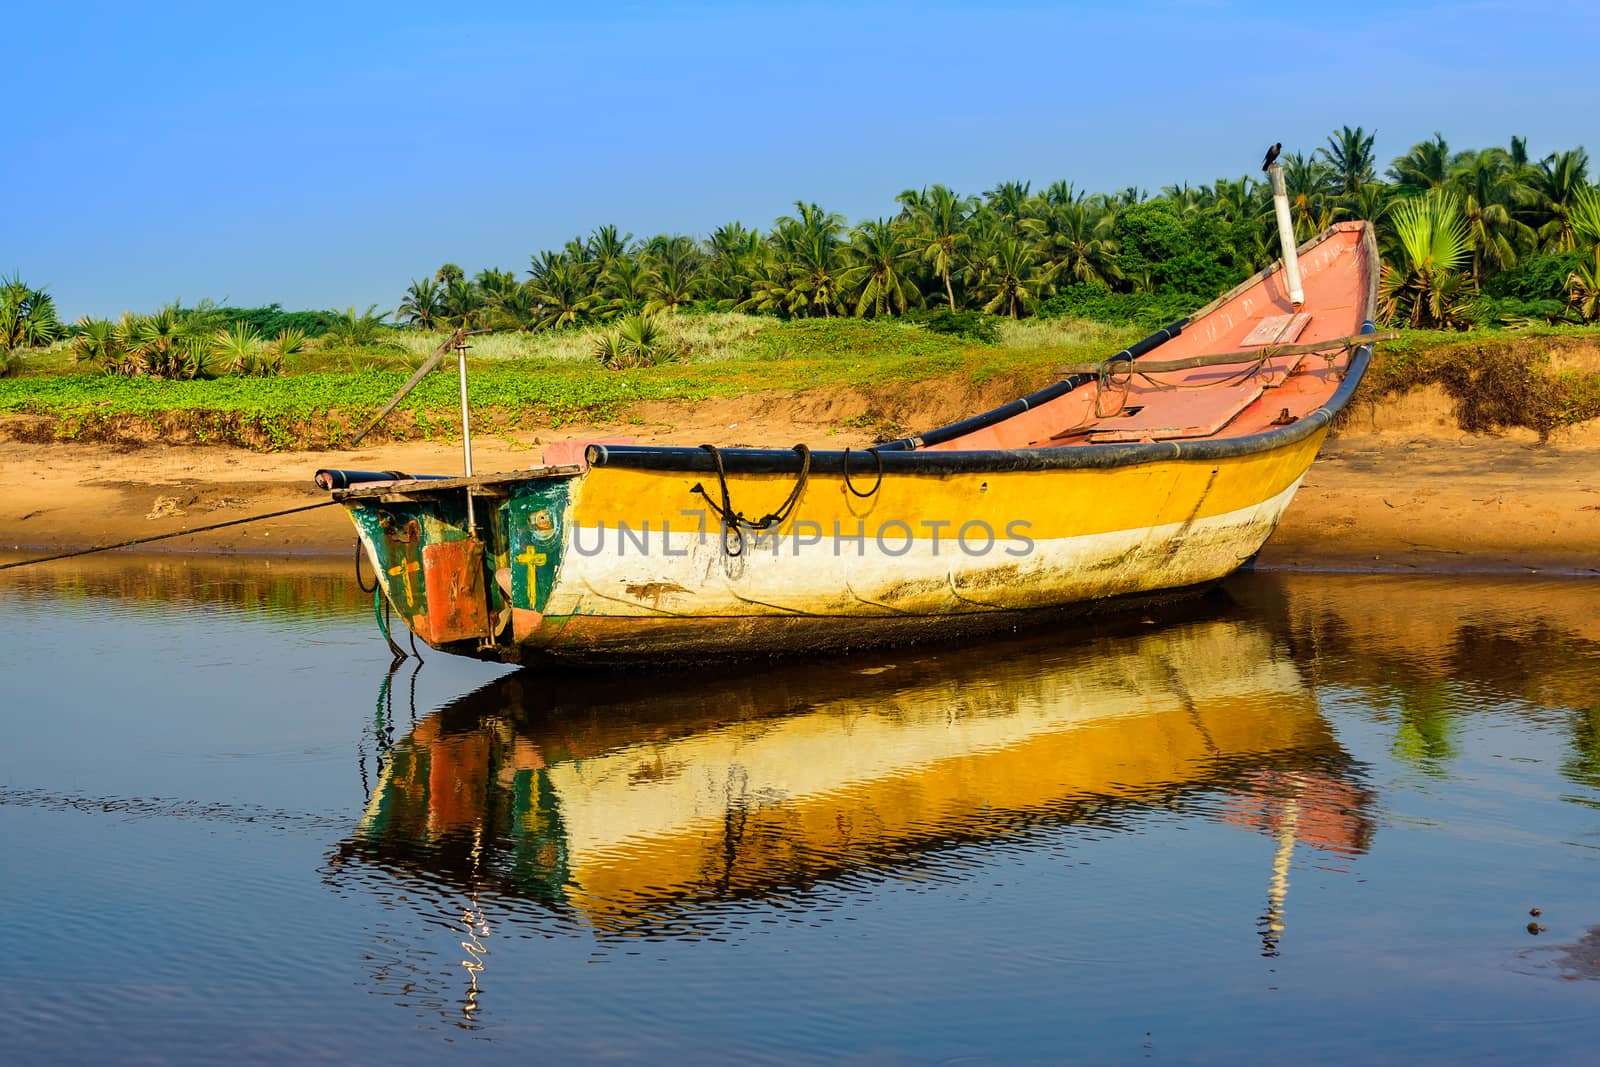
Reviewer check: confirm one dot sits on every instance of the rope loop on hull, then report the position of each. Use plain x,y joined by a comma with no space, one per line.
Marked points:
876,485
734,522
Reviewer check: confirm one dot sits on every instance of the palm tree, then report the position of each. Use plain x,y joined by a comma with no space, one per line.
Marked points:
671,284
878,278
1426,166
164,345
1423,288
448,273
1008,199
1349,154
1488,188
352,330
625,284
1556,183
98,342
1015,277
606,245
1583,284
27,316
939,216
460,303
421,305
1077,243
561,294
732,251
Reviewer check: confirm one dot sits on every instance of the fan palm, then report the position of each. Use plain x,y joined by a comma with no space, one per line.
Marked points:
1583,284
98,342
1424,287
27,316
241,347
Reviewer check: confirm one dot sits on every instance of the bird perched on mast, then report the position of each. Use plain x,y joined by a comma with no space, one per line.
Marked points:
1272,154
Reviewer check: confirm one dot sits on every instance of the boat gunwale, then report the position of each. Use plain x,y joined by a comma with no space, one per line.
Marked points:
896,457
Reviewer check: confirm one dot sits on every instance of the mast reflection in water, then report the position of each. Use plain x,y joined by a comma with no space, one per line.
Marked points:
634,807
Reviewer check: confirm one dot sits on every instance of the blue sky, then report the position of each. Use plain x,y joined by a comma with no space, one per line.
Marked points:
325,154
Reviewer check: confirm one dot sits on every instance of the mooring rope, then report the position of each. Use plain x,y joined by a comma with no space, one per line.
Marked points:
166,536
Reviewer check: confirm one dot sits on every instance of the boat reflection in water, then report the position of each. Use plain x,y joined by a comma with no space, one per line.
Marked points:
633,806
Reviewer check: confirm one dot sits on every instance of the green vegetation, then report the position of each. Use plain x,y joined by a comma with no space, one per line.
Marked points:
1451,224
27,320
526,380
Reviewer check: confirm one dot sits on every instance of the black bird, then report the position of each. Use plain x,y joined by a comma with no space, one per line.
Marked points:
1272,153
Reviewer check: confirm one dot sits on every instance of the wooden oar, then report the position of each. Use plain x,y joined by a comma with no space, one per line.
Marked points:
1249,355
422,372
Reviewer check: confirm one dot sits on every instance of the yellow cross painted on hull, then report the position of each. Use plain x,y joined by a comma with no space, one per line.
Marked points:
404,570
532,558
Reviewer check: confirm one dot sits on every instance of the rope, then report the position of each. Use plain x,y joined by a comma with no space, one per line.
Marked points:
363,586
875,485
735,522
380,611
166,536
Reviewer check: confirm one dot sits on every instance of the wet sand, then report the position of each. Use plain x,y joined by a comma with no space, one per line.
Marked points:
1427,498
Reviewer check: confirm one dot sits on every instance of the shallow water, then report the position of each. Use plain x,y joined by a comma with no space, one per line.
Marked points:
1305,818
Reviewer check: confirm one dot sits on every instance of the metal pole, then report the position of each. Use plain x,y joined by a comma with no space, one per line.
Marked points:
466,433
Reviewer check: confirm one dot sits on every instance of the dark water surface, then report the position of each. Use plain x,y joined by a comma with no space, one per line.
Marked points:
1303,821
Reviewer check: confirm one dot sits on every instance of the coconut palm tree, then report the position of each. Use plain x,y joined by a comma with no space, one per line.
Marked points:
939,219
460,303
561,294
1008,200
1557,182
1077,243
1426,166
606,245
1424,287
421,305
670,283
1349,155
1488,188
878,278
1015,279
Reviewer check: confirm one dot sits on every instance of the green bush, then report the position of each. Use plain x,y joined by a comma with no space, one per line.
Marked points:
1099,304
1536,278
973,325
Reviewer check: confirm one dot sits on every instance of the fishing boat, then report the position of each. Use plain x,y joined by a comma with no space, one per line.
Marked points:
1160,469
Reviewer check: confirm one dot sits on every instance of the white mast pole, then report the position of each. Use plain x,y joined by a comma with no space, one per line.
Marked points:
1291,260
